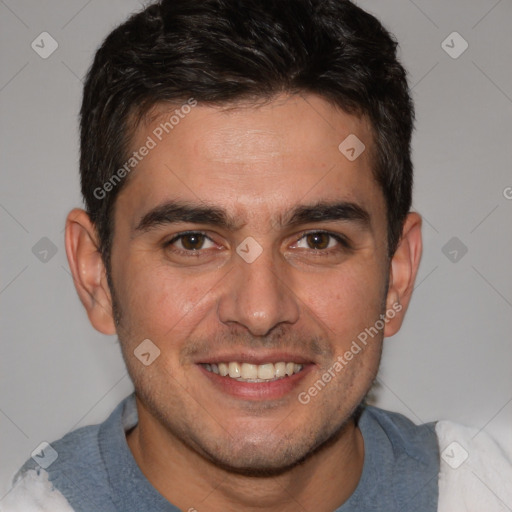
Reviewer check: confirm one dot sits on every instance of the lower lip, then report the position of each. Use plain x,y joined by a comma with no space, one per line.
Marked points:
257,390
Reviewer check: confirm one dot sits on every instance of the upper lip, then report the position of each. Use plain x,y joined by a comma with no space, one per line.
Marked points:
255,358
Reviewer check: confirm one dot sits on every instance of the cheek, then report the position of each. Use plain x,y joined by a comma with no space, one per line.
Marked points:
346,301
155,301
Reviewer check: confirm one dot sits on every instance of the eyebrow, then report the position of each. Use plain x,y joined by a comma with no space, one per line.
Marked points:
172,212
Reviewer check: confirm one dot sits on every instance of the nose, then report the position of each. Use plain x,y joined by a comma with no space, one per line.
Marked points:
258,296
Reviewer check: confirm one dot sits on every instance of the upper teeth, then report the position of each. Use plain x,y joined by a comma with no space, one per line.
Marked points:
254,372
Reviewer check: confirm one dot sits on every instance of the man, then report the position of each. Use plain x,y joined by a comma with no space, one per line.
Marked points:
247,234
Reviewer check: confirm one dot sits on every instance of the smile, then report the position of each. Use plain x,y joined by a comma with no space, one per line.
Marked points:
247,372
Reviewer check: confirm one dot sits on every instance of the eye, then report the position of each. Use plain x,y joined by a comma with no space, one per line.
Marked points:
321,241
191,241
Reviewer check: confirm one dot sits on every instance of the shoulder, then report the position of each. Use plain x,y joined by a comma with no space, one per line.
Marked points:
402,459
70,466
406,438
33,492
76,451
475,473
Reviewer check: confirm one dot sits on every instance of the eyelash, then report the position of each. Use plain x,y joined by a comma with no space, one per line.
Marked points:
344,243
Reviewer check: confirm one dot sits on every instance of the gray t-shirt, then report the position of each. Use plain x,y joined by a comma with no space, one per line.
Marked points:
96,472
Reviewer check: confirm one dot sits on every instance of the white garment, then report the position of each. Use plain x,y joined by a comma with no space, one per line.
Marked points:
34,493
475,476
483,482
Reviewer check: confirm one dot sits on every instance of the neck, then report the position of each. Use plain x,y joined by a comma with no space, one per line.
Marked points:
323,482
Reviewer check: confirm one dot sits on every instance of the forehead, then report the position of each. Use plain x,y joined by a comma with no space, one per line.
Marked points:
251,157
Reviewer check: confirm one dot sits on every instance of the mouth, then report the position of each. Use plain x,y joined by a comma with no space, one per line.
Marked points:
254,377
254,373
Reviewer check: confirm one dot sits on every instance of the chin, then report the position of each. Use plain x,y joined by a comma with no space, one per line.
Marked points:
260,464
271,456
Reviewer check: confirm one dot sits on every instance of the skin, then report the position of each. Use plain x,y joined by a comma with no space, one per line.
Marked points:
308,297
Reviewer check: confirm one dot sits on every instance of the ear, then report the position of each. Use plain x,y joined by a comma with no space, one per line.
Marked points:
403,270
88,270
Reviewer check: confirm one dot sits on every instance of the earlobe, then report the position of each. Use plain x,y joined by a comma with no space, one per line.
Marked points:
403,271
88,270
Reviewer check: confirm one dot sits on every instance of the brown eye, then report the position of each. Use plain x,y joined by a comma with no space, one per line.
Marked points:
318,241
193,241
323,242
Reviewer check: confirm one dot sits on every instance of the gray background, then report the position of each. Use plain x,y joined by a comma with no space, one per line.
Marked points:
452,358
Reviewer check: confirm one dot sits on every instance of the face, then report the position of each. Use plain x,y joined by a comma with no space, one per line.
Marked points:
246,243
